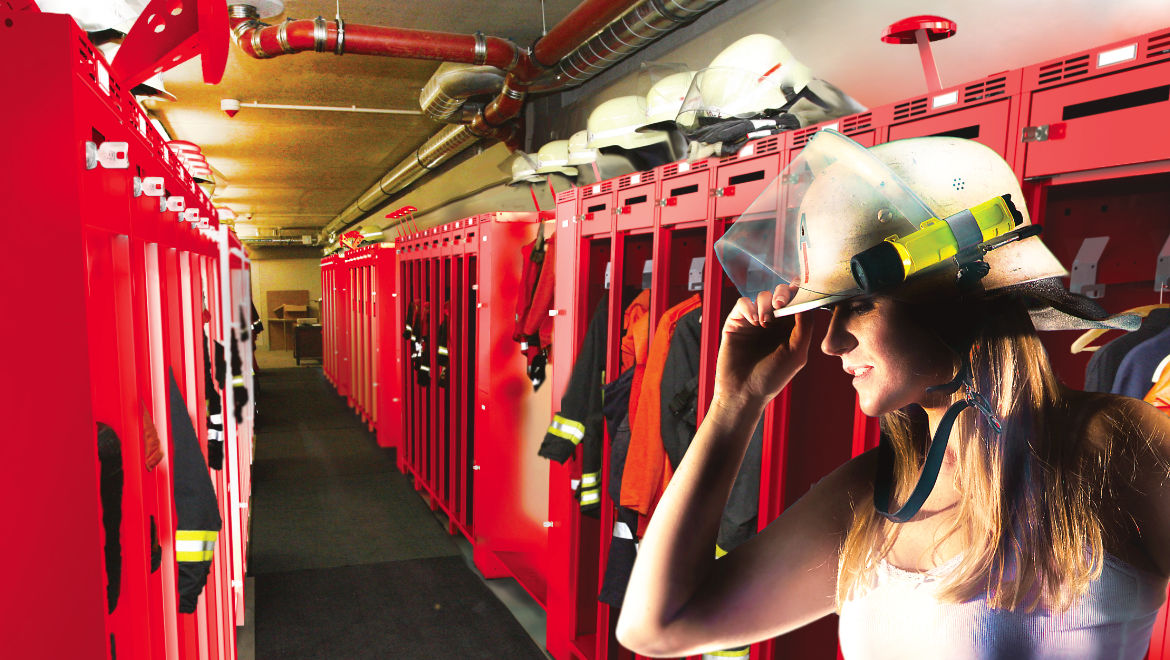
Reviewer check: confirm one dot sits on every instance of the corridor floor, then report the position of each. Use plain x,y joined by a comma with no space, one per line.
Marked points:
349,561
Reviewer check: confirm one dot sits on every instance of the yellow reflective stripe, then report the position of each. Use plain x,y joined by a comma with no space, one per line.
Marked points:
719,552
731,653
589,479
205,555
568,429
196,535
443,350
590,497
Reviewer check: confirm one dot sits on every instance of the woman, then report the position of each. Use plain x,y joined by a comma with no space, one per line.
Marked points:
1040,523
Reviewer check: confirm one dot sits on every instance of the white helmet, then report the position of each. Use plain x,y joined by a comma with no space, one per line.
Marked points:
524,169
615,123
842,199
664,100
554,157
767,58
579,151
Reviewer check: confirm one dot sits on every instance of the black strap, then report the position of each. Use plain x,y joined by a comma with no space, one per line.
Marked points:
926,480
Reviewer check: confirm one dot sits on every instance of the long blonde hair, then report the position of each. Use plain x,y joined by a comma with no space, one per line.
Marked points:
1028,513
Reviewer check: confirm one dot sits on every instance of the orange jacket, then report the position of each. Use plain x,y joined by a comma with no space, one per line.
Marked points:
647,468
636,342
1159,395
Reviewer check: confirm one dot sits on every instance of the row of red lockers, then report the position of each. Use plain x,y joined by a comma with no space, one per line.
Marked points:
1056,122
136,259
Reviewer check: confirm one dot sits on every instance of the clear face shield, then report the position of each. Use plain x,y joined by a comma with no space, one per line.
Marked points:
833,201
718,94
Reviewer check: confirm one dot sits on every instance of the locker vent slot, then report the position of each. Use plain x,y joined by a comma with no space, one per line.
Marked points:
984,90
1074,67
673,168
685,190
596,208
1119,102
967,132
98,138
567,195
910,109
643,177
634,200
799,138
767,145
1159,47
856,123
745,178
599,189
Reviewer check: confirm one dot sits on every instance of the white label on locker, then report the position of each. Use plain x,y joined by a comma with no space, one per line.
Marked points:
596,189
834,126
647,274
684,167
748,150
176,204
564,223
636,179
943,100
191,215
142,124
152,186
1116,56
608,270
695,274
103,77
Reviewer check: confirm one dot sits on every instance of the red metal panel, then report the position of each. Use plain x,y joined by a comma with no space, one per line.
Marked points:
684,191
988,124
636,197
740,181
597,207
1083,121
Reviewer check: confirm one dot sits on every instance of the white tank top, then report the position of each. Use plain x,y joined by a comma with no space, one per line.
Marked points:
900,618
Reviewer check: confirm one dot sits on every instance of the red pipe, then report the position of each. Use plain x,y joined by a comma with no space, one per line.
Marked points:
384,41
581,23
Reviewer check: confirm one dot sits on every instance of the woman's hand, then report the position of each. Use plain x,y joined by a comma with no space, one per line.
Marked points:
759,353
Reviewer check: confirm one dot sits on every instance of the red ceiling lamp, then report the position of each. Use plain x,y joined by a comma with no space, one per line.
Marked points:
922,30
192,158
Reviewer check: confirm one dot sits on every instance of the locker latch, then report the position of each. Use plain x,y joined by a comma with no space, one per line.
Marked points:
110,155
1045,133
669,201
151,186
726,191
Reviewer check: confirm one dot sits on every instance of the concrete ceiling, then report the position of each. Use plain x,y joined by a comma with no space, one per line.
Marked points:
298,169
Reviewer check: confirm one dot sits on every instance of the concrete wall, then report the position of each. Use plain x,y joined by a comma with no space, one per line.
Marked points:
284,274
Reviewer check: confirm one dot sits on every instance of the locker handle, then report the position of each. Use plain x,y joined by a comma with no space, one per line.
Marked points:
588,216
669,201
623,209
726,191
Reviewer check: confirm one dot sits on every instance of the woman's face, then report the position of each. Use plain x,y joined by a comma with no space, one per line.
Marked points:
892,359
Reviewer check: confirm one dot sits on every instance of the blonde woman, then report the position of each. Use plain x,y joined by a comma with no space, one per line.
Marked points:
1003,516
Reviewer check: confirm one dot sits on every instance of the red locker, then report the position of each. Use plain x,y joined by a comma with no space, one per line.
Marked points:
684,193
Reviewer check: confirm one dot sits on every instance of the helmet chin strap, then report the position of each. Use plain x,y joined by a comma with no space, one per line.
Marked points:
935,454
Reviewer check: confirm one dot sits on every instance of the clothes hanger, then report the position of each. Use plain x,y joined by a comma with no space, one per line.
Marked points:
1083,343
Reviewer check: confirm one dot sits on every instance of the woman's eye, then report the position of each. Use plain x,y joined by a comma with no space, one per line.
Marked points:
860,307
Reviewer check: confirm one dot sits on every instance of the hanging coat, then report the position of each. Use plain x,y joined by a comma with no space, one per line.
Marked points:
1135,375
110,482
443,350
1103,365
215,434
579,420
647,469
196,506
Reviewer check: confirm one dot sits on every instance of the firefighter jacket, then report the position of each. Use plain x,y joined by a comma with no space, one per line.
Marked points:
215,434
647,469
680,400
443,349
579,421
110,481
196,506
421,359
538,325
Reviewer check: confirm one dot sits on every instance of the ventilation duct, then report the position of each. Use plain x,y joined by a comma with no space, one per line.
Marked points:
444,96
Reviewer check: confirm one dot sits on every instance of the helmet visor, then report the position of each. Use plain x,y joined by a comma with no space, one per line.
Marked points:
720,93
833,201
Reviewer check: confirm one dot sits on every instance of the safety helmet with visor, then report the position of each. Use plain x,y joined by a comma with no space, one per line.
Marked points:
554,157
842,221
524,169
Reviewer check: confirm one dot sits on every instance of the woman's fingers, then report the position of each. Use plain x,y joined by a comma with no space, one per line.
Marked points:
745,308
764,307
